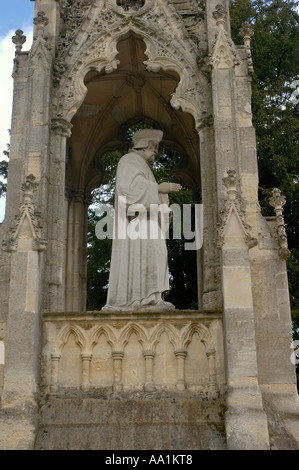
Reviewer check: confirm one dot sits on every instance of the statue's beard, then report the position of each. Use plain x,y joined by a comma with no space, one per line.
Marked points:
150,161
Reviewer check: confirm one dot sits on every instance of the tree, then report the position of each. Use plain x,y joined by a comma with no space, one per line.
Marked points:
99,251
3,172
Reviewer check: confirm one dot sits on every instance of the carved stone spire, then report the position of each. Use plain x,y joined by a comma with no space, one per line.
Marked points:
224,54
247,32
27,212
233,207
220,15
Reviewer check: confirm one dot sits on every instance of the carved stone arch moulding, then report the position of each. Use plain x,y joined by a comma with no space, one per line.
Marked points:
167,48
132,328
65,332
195,327
97,331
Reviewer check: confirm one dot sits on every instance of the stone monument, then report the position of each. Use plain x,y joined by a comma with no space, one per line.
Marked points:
220,377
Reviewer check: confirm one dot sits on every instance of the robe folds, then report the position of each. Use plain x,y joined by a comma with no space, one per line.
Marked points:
139,267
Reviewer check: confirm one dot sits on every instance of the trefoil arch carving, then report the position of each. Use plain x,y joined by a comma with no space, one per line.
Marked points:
106,25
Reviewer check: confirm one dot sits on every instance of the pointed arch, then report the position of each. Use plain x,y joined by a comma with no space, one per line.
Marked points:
97,331
64,334
166,48
128,331
170,331
195,327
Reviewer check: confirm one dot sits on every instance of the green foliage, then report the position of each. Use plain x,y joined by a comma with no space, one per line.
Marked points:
98,264
3,172
293,269
182,263
99,251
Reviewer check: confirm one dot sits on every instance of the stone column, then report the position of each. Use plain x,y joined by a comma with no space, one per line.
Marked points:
180,355
86,360
55,358
76,254
246,421
17,154
117,370
21,376
56,218
212,384
17,159
149,357
209,260
272,303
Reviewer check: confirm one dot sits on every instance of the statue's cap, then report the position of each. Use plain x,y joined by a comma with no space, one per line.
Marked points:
144,136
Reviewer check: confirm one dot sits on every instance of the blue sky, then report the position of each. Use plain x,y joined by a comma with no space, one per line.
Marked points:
15,14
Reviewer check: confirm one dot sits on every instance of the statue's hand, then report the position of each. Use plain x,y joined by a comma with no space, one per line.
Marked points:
166,188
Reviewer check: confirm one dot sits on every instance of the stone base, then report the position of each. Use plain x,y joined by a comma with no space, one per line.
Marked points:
18,428
132,421
281,404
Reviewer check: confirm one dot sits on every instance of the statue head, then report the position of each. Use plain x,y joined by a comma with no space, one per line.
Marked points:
146,142
142,138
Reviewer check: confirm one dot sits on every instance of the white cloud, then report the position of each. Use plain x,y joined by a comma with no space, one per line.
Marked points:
7,53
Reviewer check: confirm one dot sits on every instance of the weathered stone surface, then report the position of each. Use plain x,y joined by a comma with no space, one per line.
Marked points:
157,421
94,69
161,351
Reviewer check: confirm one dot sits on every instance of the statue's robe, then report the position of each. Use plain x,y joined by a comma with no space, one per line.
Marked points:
139,266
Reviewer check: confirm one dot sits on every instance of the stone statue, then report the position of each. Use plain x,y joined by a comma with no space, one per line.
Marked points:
139,267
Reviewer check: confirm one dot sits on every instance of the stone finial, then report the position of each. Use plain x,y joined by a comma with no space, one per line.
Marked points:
278,201
231,182
19,40
41,20
29,187
246,32
219,15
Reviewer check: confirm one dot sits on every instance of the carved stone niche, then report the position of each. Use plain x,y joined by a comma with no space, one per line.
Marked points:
133,4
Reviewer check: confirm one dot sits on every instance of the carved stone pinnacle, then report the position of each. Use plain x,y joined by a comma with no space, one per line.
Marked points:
231,182
246,32
41,20
19,40
278,201
29,187
219,15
